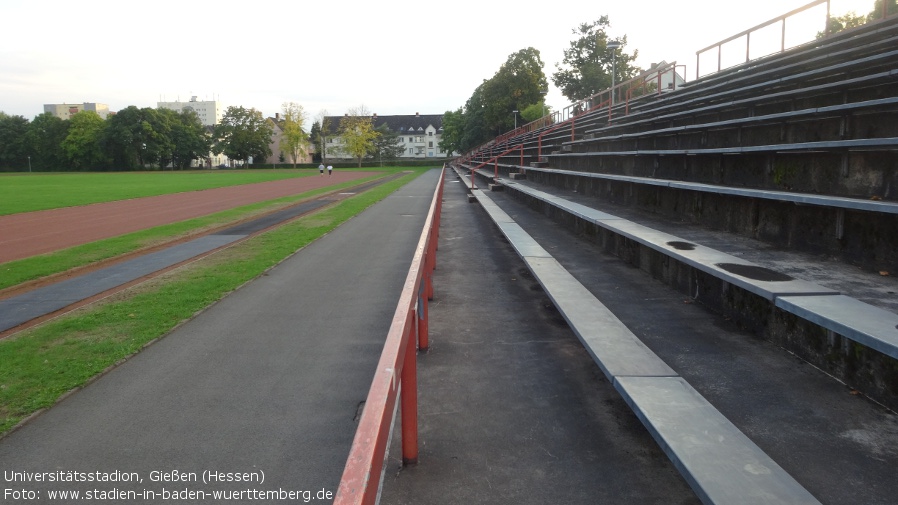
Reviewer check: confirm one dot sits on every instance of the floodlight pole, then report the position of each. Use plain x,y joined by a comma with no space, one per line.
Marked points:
613,45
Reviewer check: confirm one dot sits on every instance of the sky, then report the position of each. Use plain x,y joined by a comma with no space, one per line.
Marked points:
390,57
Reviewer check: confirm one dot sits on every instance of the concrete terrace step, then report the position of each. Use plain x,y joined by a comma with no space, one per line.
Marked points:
856,320
719,462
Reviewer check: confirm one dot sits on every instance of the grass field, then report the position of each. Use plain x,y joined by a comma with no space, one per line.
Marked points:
16,272
43,363
31,192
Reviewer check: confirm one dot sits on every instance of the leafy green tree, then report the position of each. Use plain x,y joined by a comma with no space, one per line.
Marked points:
295,139
319,136
357,133
136,137
13,147
189,138
44,139
387,145
243,134
876,13
475,132
315,138
82,143
587,64
535,111
519,82
453,130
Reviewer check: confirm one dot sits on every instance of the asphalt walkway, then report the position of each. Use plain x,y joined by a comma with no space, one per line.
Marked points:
513,410
258,394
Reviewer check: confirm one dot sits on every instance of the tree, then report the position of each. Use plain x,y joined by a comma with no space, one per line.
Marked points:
535,111
189,138
357,133
44,140
453,130
135,137
319,135
243,134
519,82
295,139
315,137
13,148
82,143
587,64
843,22
387,145
891,9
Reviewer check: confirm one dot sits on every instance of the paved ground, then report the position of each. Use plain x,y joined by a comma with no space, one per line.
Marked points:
267,381
512,408
32,233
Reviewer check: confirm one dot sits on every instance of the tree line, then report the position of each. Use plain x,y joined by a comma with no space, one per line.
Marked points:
140,138
517,91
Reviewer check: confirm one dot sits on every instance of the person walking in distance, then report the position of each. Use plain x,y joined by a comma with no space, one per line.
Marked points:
330,169
321,169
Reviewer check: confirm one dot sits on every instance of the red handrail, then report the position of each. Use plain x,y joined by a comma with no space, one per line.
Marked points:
747,34
361,479
496,160
573,121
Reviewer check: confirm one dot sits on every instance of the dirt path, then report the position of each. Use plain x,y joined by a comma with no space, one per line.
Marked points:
31,233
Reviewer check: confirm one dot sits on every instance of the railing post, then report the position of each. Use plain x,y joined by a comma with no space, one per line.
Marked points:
423,339
409,396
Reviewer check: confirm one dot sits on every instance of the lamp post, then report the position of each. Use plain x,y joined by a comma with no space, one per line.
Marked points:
29,164
614,46
515,119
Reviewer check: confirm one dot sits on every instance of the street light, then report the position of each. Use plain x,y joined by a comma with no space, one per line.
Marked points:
515,119
614,46
29,163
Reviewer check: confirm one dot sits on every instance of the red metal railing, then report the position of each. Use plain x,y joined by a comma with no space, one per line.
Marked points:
396,375
573,121
747,34
496,160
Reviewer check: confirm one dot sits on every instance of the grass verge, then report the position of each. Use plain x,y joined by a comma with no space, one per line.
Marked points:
43,363
14,273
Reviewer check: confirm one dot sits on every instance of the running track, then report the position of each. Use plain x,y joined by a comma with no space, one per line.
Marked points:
31,233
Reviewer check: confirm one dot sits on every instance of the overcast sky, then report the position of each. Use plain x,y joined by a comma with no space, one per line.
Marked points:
391,57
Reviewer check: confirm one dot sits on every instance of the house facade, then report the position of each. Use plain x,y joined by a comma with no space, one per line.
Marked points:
420,134
277,153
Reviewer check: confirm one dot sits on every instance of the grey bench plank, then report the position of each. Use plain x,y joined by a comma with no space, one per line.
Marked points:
611,344
887,142
783,196
736,271
719,462
865,324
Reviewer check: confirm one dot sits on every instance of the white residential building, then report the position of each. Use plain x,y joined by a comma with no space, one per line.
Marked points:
67,110
209,112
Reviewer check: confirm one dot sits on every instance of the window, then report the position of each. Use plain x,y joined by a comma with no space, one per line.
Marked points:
430,144
411,139
430,134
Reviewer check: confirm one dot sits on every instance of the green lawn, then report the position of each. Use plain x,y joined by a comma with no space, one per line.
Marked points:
31,192
42,363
